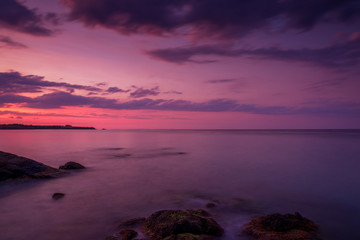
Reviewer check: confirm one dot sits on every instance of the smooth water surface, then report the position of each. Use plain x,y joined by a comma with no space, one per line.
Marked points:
132,173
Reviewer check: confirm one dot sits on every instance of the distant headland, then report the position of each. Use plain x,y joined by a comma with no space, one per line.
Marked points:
23,126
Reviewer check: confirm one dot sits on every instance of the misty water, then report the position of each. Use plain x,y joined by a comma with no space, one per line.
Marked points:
133,173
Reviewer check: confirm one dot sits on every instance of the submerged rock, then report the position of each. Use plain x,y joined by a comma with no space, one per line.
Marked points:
57,196
210,205
15,167
282,227
133,222
181,224
128,234
71,166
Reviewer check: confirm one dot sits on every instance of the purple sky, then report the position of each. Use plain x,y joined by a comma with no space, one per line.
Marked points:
181,63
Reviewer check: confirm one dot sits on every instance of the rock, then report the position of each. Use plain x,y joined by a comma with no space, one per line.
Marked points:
127,234
57,196
111,238
71,166
282,227
210,205
15,167
181,224
134,222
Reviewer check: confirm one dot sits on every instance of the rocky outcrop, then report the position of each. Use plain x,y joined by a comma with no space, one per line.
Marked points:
15,167
71,166
282,227
181,224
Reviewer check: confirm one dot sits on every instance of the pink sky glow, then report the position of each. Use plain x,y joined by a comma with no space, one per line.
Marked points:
180,64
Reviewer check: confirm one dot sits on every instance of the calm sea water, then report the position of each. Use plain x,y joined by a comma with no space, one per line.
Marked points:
132,173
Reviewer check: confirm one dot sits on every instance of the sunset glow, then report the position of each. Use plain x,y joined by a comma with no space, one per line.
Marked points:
180,64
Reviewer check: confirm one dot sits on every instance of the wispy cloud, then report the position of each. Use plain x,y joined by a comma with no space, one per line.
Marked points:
143,92
10,43
19,114
15,82
229,80
342,55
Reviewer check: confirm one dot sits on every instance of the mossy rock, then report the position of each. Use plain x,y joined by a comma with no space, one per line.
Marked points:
182,225
282,227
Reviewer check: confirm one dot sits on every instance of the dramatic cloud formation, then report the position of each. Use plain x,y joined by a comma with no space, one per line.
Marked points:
15,16
10,43
339,55
142,92
210,18
14,82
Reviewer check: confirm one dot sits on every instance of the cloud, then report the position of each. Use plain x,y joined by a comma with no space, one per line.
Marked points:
173,92
15,82
342,55
63,99
39,114
209,18
116,90
16,16
142,92
10,43
222,80
12,98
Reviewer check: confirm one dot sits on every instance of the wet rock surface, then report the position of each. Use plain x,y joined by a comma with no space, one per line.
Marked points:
14,167
71,166
181,224
282,227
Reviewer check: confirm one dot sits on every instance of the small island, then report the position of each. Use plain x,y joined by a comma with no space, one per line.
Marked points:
30,127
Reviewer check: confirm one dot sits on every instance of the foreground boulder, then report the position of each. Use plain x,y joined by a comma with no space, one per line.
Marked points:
181,224
71,166
15,167
282,227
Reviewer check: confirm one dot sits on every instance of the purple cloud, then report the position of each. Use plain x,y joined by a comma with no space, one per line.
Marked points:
15,82
39,114
222,80
62,99
142,92
209,18
116,90
15,16
10,43
12,98
342,55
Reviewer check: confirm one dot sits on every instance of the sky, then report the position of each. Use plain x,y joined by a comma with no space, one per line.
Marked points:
183,64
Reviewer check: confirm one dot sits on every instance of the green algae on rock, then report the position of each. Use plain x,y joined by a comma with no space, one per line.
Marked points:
182,225
282,227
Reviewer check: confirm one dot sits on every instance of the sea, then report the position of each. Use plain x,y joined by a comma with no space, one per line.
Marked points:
133,173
